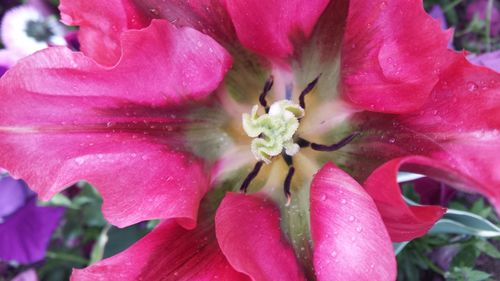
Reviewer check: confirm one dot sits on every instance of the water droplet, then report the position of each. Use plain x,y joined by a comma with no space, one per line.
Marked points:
333,254
471,86
351,218
392,140
154,11
80,160
359,229
343,201
323,197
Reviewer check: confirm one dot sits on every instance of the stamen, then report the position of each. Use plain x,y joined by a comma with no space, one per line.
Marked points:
343,142
303,143
306,91
267,87
286,186
251,176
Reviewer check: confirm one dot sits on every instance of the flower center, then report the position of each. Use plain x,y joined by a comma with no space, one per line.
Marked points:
273,131
39,30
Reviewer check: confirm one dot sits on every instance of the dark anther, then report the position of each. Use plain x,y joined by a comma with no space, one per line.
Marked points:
288,182
288,159
335,146
267,87
303,143
306,91
251,176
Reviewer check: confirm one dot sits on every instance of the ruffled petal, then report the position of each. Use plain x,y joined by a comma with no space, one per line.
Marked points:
458,128
349,237
169,252
101,24
248,232
25,235
268,28
207,16
120,128
381,70
403,222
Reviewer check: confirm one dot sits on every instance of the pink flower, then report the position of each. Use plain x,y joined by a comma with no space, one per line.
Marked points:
151,114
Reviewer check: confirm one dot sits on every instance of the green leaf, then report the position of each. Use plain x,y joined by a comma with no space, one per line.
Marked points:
466,257
463,222
467,274
488,248
57,200
406,176
98,248
398,247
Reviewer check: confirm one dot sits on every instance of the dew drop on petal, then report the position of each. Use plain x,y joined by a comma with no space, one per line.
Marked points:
333,254
471,86
343,201
351,218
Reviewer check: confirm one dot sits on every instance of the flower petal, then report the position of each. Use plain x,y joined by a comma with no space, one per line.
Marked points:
490,60
101,25
207,16
169,252
268,28
102,125
350,240
458,128
403,222
380,71
13,195
25,235
248,232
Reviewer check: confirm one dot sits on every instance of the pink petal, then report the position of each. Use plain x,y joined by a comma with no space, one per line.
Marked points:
208,16
457,128
101,25
169,252
350,240
403,222
248,231
270,27
87,122
389,62
28,275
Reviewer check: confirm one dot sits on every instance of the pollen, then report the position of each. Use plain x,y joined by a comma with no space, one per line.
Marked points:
273,132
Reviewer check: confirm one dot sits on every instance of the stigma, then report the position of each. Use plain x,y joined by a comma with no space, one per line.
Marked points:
274,130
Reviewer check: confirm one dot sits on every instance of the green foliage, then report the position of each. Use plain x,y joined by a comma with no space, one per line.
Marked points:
466,232
84,237
467,274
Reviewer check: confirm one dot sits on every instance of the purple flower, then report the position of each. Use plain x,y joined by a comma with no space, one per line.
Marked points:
490,60
25,228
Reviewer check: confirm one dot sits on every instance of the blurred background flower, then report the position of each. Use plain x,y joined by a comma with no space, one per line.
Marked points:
26,29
